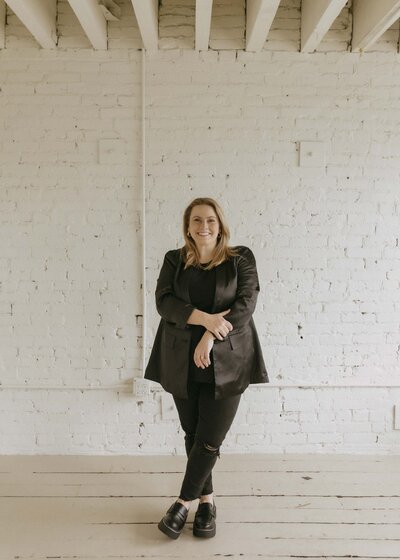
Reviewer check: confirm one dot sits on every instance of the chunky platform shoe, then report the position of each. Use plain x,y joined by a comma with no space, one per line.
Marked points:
174,520
204,520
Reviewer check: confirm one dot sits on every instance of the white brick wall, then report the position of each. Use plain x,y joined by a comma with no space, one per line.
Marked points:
224,123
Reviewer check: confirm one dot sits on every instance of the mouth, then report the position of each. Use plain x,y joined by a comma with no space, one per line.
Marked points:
203,234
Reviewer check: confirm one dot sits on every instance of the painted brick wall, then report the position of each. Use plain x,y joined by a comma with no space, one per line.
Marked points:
232,125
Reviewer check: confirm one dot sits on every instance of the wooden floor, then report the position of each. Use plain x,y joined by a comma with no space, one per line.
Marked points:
268,506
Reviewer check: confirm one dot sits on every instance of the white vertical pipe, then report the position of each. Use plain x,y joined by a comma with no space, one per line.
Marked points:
144,308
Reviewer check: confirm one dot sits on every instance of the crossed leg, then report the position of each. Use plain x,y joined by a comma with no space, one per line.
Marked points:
205,422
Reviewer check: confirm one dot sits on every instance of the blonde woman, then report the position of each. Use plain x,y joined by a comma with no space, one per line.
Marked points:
206,350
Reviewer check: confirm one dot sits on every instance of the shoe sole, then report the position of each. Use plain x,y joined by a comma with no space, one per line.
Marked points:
168,531
206,533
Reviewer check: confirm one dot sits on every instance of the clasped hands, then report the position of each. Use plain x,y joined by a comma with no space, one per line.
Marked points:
216,326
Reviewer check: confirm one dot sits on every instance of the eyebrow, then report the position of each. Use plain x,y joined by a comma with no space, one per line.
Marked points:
207,216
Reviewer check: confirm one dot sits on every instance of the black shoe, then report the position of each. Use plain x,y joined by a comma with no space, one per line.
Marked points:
174,520
204,520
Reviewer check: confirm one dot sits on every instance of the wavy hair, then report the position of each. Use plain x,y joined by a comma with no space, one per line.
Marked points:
222,252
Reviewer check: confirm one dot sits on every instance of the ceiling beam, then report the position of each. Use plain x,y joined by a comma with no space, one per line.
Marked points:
39,18
259,17
317,17
92,20
146,12
371,18
203,24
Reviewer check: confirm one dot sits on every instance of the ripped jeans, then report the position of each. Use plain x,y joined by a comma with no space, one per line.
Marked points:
205,422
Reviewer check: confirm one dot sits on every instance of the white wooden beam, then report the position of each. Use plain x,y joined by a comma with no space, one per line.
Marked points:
259,17
146,12
92,21
39,17
2,24
317,17
371,18
203,24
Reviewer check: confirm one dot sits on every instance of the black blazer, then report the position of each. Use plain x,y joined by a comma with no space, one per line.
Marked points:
238,359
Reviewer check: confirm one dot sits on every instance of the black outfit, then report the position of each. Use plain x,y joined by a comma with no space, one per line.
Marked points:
201,291
204,420
238,358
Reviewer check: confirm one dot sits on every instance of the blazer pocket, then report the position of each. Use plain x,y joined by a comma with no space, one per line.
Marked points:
240,340
235,341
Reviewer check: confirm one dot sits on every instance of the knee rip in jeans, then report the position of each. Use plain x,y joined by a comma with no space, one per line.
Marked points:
211,450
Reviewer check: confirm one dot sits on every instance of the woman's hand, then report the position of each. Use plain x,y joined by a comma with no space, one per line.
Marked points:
202,351
216,323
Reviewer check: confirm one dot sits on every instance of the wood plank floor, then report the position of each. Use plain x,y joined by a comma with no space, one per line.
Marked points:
268,506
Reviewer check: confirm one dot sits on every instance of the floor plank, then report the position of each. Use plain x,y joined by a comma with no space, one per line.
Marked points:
229,483
272,507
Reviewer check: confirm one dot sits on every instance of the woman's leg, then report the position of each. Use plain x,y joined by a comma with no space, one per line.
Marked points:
188,411
208,485
215,419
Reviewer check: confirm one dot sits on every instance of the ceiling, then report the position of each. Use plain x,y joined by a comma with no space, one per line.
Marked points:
370,20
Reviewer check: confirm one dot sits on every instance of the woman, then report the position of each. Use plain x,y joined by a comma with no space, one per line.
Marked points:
206,350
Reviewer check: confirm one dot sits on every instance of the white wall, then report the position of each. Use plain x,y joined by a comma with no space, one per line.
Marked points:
228,124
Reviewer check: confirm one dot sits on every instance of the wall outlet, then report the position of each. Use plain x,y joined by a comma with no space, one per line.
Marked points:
141,387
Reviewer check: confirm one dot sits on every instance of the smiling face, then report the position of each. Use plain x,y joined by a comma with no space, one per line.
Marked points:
204,226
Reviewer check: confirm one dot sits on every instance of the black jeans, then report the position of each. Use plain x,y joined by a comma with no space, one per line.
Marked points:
205,422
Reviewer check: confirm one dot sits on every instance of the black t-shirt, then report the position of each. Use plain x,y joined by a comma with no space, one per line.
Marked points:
201,291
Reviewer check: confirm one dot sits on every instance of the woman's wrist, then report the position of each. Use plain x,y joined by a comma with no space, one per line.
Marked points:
197,317
210,334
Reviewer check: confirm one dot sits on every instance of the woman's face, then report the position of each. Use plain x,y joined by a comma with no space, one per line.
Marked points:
204,226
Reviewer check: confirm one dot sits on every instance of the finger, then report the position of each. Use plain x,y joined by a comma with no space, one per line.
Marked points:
225,312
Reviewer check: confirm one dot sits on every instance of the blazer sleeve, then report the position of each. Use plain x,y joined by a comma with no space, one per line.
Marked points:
248,288
170,307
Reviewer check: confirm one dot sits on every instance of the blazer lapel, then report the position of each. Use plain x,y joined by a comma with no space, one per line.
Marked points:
219,285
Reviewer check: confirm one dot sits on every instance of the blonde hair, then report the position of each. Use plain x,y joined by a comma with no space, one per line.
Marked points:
222,251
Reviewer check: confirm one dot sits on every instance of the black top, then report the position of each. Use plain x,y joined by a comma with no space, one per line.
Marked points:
201,291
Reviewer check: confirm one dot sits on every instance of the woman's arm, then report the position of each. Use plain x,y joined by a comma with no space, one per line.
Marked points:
168,305
215,323
201,356
176,310
248,288
197,317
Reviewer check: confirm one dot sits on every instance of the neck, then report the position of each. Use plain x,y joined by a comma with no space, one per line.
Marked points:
205,253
